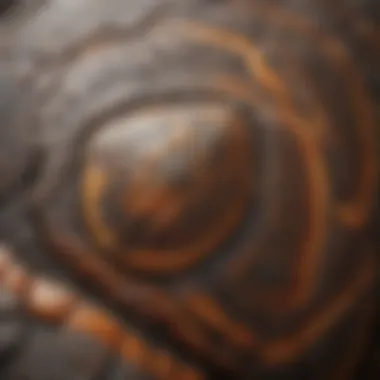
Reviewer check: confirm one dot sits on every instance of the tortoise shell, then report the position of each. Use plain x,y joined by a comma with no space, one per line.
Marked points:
192,192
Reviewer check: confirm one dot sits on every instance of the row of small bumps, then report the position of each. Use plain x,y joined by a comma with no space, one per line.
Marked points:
54,304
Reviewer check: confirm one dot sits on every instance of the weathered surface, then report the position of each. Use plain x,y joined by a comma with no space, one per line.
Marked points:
193,189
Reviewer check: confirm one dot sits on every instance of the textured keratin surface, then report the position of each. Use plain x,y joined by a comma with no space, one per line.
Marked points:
189,189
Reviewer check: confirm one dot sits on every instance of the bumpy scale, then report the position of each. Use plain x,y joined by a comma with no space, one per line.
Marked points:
189,189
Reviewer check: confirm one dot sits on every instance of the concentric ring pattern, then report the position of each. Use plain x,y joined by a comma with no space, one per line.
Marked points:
217,171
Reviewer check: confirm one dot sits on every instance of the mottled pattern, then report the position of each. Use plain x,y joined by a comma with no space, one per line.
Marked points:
193,190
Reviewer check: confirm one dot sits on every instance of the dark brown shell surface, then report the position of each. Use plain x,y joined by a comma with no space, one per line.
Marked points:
199,197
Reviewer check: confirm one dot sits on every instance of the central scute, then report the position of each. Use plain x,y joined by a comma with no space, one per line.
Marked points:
177,178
